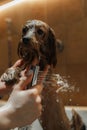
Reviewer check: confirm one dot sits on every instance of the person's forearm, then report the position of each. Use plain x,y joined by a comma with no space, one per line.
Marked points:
5,122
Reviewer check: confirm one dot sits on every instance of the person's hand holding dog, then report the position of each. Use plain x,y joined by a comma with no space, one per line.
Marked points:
23,106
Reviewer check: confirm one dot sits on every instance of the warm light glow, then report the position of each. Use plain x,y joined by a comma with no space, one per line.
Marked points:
34,0
10,4
14,2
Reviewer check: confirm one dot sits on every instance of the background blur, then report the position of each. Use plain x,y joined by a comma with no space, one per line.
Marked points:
68,18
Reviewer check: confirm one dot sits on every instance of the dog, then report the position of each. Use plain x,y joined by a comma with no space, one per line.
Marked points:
39,42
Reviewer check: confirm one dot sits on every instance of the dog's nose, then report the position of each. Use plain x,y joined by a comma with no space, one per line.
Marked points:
25,40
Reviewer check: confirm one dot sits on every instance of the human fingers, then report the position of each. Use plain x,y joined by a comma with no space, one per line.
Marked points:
39,85
23,82
39,88
34,92
27,71
18,63
36,99
38,102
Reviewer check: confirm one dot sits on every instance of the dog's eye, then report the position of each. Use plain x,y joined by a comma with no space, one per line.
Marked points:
40,32
25,29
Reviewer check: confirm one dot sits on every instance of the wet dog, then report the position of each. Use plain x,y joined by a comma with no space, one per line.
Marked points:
39,42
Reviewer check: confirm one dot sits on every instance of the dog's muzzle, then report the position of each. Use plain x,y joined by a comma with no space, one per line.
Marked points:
29,40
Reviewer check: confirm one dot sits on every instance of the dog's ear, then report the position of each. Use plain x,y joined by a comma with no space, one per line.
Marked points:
55,46
52,58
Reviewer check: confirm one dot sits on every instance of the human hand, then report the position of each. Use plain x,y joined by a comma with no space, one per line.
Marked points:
23,106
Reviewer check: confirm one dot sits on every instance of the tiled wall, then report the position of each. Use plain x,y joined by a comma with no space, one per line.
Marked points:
69,20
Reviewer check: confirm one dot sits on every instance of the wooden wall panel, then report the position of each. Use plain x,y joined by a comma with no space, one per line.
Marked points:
69,20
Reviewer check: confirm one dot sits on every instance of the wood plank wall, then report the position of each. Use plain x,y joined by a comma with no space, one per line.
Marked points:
69,20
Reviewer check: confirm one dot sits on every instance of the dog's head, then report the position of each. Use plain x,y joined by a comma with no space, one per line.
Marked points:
38,41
